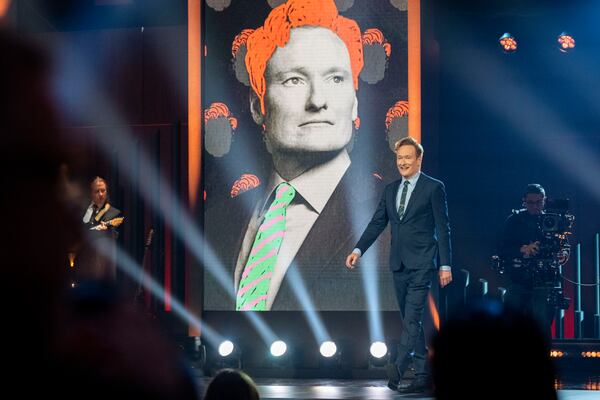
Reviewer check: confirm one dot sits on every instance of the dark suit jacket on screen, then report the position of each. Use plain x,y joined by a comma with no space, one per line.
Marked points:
321,257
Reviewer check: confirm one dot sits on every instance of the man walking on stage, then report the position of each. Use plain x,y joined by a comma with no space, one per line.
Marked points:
415,206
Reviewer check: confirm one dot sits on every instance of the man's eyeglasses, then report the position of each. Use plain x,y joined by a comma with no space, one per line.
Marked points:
534,203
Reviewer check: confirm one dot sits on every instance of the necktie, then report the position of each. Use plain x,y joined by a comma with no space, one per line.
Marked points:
402,206
254,283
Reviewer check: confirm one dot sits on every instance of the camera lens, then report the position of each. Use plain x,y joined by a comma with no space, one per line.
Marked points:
550,223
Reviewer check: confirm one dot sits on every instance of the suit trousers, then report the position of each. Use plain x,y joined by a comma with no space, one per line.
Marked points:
412,287
533,302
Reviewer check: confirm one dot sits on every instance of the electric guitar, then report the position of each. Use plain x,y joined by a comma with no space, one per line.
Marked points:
113,223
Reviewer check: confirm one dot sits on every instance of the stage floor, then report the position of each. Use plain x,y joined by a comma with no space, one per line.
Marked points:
325,389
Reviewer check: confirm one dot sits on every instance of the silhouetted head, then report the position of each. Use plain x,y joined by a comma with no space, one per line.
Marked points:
489,349
231,384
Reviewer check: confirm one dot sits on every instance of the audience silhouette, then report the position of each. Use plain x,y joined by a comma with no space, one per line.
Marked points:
231,384
490,351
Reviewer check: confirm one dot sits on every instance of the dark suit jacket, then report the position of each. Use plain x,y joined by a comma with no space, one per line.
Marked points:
321,257
520,228
90,264
424,231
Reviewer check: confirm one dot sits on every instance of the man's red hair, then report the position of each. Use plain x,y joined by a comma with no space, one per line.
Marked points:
276,33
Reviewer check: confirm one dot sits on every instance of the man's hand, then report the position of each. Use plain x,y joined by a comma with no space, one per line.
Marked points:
351,260
531,249
102,226
445,277
563,257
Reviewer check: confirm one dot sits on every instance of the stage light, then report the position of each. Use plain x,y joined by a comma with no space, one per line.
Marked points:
226,348
565,42
71,257
328,349
334,357
590,354
281,356
278,348
378,349
557,353
592,386
225,355
379,355
508,43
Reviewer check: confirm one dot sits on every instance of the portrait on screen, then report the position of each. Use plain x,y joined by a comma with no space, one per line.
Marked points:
300,101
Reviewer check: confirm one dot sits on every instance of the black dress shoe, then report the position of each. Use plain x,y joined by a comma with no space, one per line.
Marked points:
416,386
393,377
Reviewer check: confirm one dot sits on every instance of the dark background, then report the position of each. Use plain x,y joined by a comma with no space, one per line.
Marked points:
505,120
492,122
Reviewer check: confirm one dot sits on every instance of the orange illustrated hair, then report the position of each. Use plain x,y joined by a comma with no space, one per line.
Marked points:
217,110
374,36
245,183
240,40
400,109
276,33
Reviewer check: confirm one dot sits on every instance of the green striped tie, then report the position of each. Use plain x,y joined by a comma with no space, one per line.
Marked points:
402,206
255,280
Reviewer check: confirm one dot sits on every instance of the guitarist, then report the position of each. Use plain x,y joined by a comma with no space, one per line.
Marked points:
100,213
100,222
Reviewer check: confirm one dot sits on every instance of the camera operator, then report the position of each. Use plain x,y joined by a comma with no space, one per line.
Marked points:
523,246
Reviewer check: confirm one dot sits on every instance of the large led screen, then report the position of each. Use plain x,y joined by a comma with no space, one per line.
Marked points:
302,103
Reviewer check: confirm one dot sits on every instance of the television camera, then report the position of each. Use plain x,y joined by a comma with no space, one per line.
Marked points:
553,229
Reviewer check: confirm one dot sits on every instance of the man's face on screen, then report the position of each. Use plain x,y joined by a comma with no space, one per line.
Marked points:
310,100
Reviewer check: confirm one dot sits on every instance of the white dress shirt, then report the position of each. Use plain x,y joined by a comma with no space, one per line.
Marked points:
313,190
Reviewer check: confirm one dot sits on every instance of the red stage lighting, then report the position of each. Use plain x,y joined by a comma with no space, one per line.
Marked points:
566,42
508,43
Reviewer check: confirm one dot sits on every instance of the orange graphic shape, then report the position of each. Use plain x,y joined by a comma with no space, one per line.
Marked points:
217,110
375,36
400,109
244,183
240,40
